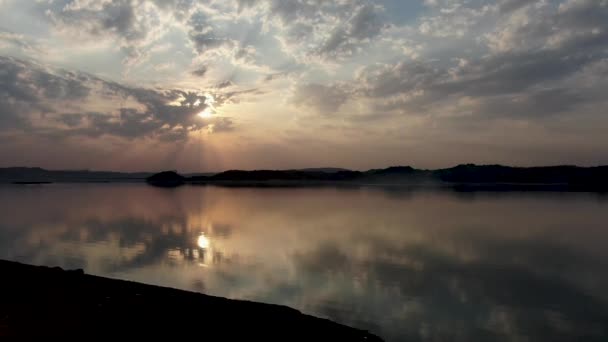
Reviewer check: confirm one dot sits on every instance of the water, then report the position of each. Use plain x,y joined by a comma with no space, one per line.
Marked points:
411,266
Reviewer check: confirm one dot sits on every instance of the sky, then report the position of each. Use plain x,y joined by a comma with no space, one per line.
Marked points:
210,85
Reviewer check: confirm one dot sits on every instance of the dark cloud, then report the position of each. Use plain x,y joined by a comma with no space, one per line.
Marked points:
506,6
573,26
234,96
108,18
135,25
206,41
331,29
119,17
346,39
402,77
276,76
325,99
292,10
225,84
29,91
72,119
365,23
535,81
28,82
202,34
200,72
245,53
26,90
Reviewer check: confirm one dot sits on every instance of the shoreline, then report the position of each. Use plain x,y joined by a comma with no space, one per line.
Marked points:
413,186
40,301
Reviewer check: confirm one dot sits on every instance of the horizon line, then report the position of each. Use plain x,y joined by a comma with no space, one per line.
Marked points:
298,169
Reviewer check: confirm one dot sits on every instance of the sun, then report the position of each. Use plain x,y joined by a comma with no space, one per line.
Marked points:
209,107
206,113
203,242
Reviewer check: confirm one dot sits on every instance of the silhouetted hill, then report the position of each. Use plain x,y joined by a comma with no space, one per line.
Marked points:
323,169
573,175
501,177
279,175
467,176
36,174
199,174
166,179
394,170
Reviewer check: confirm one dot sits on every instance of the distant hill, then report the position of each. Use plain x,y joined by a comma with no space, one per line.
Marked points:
471,173
401,173
394,170
198,174
36,174
323,169
465,176
281,175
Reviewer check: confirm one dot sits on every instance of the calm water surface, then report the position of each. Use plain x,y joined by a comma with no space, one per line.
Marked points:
409,266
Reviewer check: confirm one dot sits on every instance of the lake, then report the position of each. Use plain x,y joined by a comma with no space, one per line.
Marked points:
406,265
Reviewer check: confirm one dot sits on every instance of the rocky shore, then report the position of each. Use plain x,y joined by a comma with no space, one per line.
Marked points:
40,301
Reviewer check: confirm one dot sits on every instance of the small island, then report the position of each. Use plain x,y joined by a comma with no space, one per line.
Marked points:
166,179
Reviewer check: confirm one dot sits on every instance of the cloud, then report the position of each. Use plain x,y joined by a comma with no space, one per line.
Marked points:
451,18
135,26
245,4
506,6
200,71
35,98
526,86
18,40
216,45
202,34
27,88
328,30
225,84
573,24
532,71
402,77
313,31
345,40
324,99
364,66
220,124
117,19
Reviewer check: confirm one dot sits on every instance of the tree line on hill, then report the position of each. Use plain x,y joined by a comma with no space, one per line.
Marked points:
461,174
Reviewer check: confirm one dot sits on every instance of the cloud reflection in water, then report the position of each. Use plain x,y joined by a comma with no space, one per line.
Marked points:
417,266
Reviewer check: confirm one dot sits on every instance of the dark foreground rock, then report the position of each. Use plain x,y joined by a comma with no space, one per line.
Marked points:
41,301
